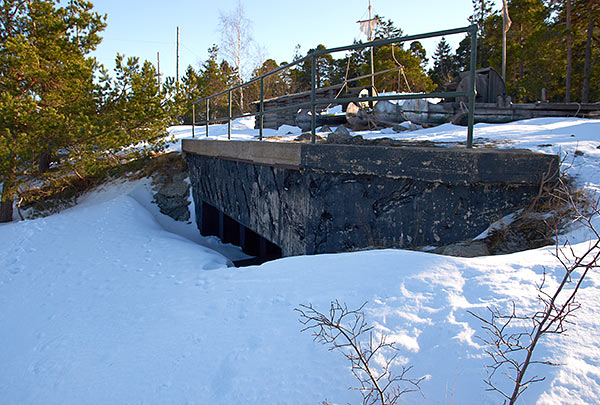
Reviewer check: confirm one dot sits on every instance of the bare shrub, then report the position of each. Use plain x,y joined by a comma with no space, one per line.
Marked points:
347,331
511,338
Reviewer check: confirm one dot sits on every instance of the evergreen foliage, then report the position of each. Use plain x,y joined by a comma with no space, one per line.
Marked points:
410,78
386,29
52,105
444,66
537,48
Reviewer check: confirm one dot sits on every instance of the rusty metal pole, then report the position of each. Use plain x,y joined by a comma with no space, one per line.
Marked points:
193,120
207,116
472,88
262,108
313,99
229,116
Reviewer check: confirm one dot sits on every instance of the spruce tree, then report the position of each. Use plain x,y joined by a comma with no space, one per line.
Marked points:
444,65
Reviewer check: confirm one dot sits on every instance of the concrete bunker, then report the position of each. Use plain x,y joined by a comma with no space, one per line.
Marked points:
285,199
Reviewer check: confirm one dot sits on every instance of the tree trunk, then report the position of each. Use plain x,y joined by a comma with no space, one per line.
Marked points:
569,54
6,204
44,162
241,95
587,66
521,67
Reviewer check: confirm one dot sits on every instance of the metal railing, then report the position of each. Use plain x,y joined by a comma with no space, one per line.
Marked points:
470,93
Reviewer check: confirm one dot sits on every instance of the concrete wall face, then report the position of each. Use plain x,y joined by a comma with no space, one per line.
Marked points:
307,211
250,194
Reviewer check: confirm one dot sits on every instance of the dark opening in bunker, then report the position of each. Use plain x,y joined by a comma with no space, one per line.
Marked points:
216,223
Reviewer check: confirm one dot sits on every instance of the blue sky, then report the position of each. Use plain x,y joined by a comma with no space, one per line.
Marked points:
143,28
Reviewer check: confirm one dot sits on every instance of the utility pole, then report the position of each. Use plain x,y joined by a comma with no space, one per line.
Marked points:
158,68
177,64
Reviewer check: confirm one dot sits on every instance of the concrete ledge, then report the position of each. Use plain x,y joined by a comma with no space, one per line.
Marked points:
276,154
435,164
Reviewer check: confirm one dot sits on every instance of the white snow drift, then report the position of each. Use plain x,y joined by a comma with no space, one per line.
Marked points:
109,302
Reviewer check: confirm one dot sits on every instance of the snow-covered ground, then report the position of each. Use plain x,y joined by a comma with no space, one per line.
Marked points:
110,302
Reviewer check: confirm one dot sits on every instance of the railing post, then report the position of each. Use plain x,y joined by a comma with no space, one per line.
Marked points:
313,99
472,87
193,120
207,115
471,93
229,116
262,109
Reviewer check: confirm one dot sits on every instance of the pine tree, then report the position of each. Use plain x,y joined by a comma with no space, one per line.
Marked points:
326,66
386,29
482,9
274,85
410,78
586,26
444,65
50,100
535,56
47,83
419,51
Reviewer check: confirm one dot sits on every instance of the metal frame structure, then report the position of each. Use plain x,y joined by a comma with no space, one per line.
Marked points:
470,93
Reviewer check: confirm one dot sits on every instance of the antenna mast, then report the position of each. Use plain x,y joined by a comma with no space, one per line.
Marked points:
370,39
366,27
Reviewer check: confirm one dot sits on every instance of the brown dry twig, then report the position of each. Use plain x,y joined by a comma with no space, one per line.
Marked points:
345,330
511,338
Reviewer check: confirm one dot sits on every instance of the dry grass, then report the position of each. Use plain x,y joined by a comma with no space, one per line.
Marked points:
58,193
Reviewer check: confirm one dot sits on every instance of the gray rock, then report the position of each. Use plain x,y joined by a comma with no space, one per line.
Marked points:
304,119
357,140
172,189
342,131
341,135
180,213
405,126
464,249
175,189
399,128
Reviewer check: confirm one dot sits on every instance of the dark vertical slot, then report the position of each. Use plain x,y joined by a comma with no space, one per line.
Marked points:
231,231
210,220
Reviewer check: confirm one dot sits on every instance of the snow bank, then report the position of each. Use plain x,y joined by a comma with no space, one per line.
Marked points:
108,303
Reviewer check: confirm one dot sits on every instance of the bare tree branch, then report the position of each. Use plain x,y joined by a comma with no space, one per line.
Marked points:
236,44
512,338
345,330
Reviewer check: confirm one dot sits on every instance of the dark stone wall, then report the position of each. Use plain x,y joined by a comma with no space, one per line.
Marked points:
248,193
309,211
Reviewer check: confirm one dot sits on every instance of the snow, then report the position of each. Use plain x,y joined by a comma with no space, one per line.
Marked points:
401,102
111,302
335,110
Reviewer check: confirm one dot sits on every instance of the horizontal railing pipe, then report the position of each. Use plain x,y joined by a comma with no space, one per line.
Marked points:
406,38
312,93
392,97
376,43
